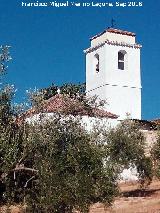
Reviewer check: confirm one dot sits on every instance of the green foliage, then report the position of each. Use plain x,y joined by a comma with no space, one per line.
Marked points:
8,129
156,149
126,147
71,172
11,137
71,90
144,167
155,153
4,58
6,111
57,166
54,166
49,91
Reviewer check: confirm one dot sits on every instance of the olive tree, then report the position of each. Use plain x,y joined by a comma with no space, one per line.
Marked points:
10,133
70,171
155,153
126,148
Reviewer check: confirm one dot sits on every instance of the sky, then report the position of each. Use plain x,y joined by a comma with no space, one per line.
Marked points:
47,43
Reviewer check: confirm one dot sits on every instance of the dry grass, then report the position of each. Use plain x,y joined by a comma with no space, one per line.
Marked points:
134,200
11,209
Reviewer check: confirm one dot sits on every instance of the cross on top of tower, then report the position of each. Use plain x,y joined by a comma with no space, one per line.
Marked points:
113,23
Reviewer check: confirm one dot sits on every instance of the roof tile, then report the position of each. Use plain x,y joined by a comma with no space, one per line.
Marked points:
66,105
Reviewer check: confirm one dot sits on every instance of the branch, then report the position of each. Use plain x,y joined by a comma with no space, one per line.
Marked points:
21,167
28,181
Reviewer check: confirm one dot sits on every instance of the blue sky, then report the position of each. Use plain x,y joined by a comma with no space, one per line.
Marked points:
48,43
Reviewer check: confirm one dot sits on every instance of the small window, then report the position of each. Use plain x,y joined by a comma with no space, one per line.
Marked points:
122,60
96,59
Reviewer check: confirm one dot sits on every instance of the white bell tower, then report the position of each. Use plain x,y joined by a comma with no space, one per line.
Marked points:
113,72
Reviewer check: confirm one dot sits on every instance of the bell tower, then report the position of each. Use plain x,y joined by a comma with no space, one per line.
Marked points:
113,72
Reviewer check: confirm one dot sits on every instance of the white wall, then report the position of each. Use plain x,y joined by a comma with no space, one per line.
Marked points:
87,122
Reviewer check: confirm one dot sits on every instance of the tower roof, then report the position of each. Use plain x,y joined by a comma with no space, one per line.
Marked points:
113,30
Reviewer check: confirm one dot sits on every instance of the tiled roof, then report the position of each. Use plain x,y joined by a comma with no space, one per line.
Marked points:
123,32
117,31
66,105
